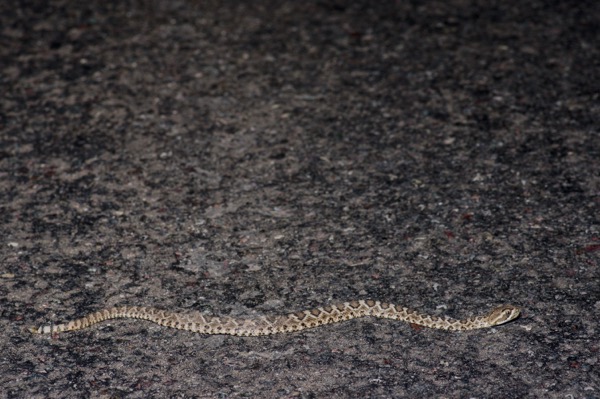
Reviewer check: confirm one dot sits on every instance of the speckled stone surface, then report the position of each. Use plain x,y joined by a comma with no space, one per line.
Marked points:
245,158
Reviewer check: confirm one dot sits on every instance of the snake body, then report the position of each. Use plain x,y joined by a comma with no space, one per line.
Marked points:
266,325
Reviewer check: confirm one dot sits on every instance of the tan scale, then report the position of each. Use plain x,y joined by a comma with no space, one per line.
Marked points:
266,325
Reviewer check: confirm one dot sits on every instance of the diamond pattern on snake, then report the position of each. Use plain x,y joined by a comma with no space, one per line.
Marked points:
267,325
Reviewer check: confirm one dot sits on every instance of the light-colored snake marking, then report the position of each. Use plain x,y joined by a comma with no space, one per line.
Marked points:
267,325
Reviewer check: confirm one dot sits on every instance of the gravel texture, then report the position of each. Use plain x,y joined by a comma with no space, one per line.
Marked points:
245,158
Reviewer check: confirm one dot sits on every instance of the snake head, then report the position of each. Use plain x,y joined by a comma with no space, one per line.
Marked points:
503,314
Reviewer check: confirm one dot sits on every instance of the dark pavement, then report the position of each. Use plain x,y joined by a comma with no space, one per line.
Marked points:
245,158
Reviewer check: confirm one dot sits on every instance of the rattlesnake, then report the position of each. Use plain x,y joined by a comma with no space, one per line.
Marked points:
267,325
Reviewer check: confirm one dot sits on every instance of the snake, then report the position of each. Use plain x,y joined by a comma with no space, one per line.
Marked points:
267,325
